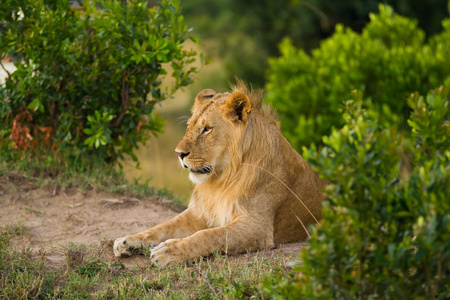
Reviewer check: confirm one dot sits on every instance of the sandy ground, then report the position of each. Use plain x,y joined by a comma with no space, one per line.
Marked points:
56,217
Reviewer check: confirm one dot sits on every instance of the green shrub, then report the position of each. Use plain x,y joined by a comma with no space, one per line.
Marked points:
387,61
252,37
87,80
385,230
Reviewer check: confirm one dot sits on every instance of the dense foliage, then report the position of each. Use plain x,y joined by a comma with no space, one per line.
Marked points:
386,227
87,80
244,34
389,60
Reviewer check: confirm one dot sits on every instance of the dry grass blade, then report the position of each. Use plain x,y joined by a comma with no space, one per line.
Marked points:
315,219
120,202
304,227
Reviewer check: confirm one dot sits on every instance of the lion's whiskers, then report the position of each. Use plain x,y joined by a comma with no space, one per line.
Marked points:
213,170
245,164
182,120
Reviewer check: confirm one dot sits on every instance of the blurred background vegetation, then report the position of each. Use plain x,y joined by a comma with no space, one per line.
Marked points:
244,34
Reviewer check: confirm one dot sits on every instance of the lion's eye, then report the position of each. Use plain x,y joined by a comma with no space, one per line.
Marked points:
206,129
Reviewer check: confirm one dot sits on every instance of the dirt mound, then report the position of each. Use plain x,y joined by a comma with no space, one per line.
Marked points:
56,217
58,220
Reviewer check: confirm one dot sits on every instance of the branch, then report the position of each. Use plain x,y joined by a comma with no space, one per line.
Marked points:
4,69
324,22
125,103
435,287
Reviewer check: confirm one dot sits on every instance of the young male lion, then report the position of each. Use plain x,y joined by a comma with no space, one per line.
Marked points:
252,191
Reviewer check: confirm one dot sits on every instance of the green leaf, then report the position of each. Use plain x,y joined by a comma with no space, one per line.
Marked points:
88,131
89,141
136,44
208,61
195,40
36,105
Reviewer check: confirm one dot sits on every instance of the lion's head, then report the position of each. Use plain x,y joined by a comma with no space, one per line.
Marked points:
214,133
221,130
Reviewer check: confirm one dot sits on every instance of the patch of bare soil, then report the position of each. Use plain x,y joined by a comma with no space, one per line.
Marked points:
56,219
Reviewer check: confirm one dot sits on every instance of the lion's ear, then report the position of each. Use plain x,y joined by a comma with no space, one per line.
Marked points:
203,97
237,107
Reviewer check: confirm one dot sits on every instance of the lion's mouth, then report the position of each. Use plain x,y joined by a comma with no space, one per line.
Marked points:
205,170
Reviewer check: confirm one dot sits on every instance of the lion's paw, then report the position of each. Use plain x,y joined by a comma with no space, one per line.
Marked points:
123,247
167,253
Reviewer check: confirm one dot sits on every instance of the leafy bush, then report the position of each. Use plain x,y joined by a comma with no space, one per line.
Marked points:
386,227
387,61
87,80
252,37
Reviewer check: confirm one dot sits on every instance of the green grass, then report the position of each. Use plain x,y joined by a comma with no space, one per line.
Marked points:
24,274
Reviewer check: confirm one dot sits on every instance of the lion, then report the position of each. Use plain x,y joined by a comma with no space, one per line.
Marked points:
252,190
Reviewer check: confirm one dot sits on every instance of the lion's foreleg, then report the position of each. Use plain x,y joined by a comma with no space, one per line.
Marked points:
237,237
181,226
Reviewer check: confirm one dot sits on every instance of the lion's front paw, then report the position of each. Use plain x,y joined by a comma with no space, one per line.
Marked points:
124,246
167,253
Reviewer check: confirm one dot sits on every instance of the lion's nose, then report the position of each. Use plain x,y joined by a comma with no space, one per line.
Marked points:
181,154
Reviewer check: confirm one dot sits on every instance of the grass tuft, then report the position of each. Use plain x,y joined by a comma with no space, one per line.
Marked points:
89,274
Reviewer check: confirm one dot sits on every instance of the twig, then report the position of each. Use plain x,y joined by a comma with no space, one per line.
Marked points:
324,22
206,280
124,96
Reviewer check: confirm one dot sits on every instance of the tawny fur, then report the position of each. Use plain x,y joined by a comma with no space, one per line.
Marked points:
242,166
